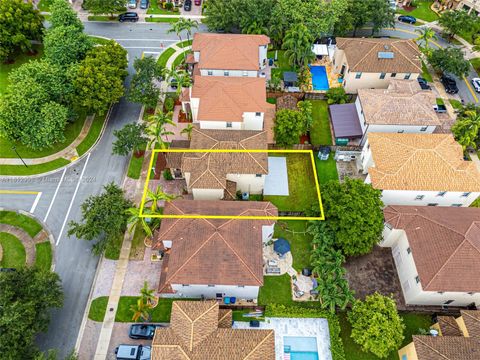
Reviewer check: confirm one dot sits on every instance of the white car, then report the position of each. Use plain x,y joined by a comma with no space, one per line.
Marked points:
476,84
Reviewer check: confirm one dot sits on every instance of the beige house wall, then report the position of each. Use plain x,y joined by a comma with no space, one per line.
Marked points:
409,351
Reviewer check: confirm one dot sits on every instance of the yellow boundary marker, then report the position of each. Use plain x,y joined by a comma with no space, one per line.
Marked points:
19,192
161,216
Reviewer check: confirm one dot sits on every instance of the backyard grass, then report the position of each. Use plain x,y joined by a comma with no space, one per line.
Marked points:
162,19
44,5
476,64
353,351
29,225
326,170
281,63
13,251
300,242
476,203
455,104
20,170
425,73
422,11
184,43
43,256
179,59
92,135
135,167
301,185
320,133
276,290
112,251
162,60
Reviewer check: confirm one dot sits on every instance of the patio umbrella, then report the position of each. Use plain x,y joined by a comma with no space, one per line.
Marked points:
281,246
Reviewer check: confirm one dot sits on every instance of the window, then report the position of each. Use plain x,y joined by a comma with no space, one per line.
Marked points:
466,194
432,204
226,73
185,285
457,205
258,114
258,175
441,193
382,75
393,74
424,128
211,285
407,76
229,124
419,197
210,72
409,251
368,146
245,73
441,292
358,75
241,286
400,131
417,279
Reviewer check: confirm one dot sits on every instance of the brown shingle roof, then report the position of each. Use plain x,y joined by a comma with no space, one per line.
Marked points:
445,244
227,98
209,170
363,55
214,251
229,51
430,162
403,103
446,348
471,318
449,326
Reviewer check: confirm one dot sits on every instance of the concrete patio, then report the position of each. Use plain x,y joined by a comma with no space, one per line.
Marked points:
276,182
177,129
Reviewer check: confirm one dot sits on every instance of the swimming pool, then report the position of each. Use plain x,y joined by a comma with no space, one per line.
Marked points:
300,347
319,77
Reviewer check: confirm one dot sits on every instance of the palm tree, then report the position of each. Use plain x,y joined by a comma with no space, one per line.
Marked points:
466,128
135,219
156,131
181,77
158,195
426,34
147,294
140,310
255,28
183,25
188,131
297,44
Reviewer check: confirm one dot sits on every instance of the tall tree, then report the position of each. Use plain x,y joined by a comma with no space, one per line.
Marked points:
187,131
141,310
306,109
298,46
157,131
135,218
65,45
353,211
289,126
20,23
381,15
153,197
142,87
26,298
425,34
62,14
180,77
376,325
147,294
105,6
104,218
129,138
449,60
467,128
456,21
183,25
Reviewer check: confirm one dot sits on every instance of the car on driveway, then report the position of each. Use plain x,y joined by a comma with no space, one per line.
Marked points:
188,5
128,16
132,352
407,19
449,83
143,331
144,4
423,84
476,84
132,4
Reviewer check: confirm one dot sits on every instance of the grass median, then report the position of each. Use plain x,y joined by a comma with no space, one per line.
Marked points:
26,223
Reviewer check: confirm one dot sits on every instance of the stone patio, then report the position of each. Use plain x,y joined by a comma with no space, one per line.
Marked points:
350,169
177,129
174,187
284,262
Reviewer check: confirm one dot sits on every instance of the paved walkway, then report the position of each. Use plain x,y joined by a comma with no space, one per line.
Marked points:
69,152
27,241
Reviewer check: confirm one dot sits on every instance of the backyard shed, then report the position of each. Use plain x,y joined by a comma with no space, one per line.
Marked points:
345,123
290,78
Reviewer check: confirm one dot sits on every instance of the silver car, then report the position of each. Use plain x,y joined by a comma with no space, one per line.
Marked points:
476,84
132,352
132,4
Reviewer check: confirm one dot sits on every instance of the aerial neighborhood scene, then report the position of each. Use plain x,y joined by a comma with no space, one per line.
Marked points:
239,179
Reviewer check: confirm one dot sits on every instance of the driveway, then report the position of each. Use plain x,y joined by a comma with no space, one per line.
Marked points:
276,182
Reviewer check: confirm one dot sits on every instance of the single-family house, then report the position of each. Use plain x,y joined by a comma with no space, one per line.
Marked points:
436,251
219,175
213,258
201,330
419,169
470,6
232,55
365,63
457,339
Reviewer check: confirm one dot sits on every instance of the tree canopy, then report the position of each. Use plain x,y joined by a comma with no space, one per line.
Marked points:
376,325
62,14
449,60
467,128
65,45
456,21
129,138
142,87
289,126
105,6
297,44
353,211
26,297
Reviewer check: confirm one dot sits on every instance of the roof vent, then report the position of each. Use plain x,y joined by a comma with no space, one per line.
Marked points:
386,47
385,55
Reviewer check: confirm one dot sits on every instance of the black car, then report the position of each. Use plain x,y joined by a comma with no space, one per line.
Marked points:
450,84
407,19
143,331
128,16
423,84
188,5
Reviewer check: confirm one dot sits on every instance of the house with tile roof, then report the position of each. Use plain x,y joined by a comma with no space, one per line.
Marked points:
219,175
419,170
458,339
232,55
200,330
365,63
436,251
213,258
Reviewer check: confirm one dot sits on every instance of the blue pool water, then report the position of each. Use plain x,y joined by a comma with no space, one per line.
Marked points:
301,348
319,77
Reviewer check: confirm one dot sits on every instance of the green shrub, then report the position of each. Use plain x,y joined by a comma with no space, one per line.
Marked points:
169,6
336,344
167,174
336,95
169,103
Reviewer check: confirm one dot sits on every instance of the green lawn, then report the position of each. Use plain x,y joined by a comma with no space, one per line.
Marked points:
92,135
138,247
43,255
425,73
301,185
19,60
162,60
352,351
272,100
276,290
422,12
155,8
179,59
99,40
101,18
184,43
281,63
20,170
31,226
13,251
44,5
476,64
455,104
162,19
300,242
326,170
135,167
476,203
320,131
112,251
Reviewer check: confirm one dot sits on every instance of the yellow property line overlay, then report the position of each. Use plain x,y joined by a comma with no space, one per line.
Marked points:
19,192
161,216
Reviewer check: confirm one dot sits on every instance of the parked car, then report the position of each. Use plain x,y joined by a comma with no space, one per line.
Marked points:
143,331
440,108
188,5
144,4
423,84
198,2
132,4
407,19
476,84
449,83
132,352
128,16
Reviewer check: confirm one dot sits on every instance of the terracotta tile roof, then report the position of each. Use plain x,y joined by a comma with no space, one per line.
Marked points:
214,251
449,326
227,98
446,347
430,162
445,244
404,102
229,51
363,55
209,170
471,318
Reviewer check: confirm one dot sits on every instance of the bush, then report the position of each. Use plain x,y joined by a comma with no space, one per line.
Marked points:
167,174
336,96
169,6
336,344
169,104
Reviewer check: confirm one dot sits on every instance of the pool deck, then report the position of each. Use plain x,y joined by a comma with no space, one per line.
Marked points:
317,328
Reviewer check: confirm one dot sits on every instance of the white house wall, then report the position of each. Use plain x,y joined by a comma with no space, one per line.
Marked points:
407,129
262,56
231,73
267,232
370,81
220,125
252,122
194,104
407,197
248,182
210,292
207,194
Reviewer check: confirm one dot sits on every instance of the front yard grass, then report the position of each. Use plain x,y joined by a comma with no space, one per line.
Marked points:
135,167
320,133
476,64
13,251
300,242
43,256
425,73
164,56
162,19
101,18
112,251
155,8
179,59
301,185
29,225
326,169
422,11
455,104
137,251
184,43
272,100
